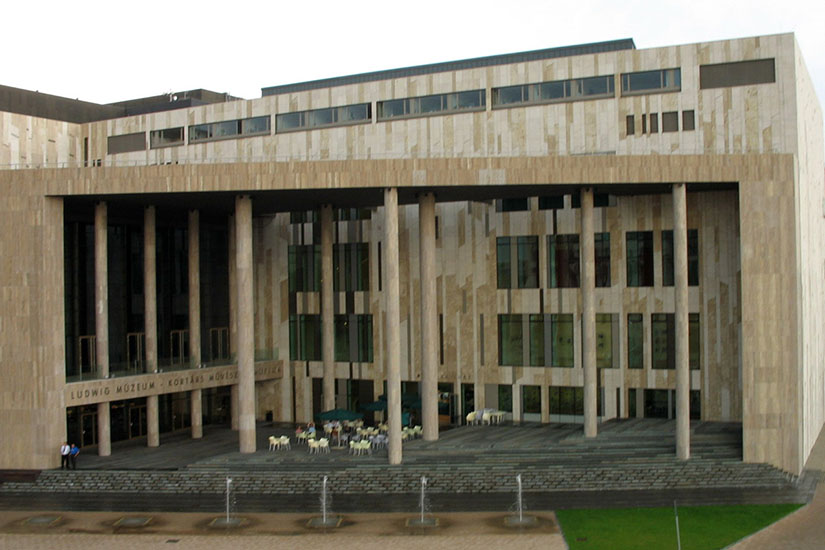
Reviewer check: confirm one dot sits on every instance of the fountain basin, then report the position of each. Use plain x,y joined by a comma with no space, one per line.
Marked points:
226,523
329,522
422,522
521,521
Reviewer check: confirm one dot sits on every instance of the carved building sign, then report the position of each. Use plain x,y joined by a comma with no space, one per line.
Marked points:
115,389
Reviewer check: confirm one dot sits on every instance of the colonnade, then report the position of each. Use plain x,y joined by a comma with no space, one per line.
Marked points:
242,318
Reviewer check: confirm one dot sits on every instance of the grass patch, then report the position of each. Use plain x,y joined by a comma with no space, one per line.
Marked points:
701,527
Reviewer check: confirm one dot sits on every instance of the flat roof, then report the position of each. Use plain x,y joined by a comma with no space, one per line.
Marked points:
474,63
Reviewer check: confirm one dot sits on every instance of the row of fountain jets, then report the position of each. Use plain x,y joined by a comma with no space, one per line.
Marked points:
327,520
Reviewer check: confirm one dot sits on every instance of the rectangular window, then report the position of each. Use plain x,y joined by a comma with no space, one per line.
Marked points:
670,121
558,341
566,400
693,257
510,340
126,143
602,259
351,214
595,87
562,339
228,129
648,82
305,337
740,73
525,270
630,122
531,399
353,338
471,100
606,329
323,118
688,121
563,260
644,124
663,331
639,258
350,267
304,264
635,341
654,123
166,138
505,397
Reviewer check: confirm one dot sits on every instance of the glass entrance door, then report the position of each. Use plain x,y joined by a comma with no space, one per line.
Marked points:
137,421
88,433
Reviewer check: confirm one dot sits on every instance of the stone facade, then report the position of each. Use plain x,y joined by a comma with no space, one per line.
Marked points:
753,165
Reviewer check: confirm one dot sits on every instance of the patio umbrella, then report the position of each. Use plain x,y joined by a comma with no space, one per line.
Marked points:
339,414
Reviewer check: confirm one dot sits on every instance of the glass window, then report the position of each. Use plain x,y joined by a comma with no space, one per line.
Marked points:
670,121
166,138
226,128
550,91
635,341
602,259
630,123
503,262
654,123
531,399
353,338
566,400
527,259
350,266
693,257
509,95
320,117
430,104
694,334
605,329
665,80
688,121
551,202
305,337
639,258
510,340
199,132
304,264
288,121
663,340
505,397
536,327
528,262
562,339
563,258
469,100
256,125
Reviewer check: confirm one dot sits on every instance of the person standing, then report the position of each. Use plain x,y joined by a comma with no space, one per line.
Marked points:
64,456
73,452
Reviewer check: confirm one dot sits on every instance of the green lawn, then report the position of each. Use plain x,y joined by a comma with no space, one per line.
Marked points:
701,527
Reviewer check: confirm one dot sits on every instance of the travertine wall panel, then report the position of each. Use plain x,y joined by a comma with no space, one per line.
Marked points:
27,141
743,119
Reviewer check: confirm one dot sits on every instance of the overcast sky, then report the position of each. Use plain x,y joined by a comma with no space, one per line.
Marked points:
106,51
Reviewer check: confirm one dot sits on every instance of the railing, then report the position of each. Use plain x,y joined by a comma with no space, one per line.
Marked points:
318,156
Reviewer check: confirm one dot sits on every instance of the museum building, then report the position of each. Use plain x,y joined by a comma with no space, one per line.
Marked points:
573,234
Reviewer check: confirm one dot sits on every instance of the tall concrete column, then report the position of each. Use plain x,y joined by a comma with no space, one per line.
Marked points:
150,313
195,397
233,320
104,441
327,311
588,283
429,318
245,315
392,330
680,279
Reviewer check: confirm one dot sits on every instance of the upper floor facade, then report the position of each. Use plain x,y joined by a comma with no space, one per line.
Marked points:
739,96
